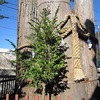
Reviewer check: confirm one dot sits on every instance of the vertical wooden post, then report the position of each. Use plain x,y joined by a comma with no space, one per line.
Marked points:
16,97
7,96
26,97
36,97
84,9
26,11
70,98
25,14
58,97
47,97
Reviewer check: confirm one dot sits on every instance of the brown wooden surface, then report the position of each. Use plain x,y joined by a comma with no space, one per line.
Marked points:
16,97
53,5
84,9
26,11
7,96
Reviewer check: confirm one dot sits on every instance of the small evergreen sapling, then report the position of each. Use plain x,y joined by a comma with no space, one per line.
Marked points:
42,69
44,66
49,59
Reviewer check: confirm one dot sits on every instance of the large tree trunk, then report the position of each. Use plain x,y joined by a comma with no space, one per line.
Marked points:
64,9
26,11
84,8
84,89
53,5
75,90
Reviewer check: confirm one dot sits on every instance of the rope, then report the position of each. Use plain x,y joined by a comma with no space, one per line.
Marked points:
78,72
52,2
72,82
75,43
24,46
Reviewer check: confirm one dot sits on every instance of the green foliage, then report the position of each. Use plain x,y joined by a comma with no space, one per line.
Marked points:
49,58
12,44
2,17
2,2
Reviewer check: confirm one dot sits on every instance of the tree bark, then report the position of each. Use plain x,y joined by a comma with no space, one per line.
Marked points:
74,90
53,5
84,8
26,11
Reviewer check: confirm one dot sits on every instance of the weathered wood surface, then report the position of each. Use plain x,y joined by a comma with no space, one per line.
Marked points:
53,5
26,11
84,8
